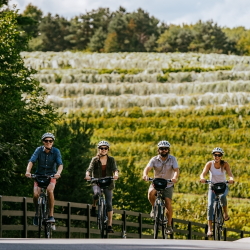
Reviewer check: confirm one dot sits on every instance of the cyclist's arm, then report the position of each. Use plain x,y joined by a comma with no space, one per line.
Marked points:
87,176
229,172
59,171
176,175
145,172
28,169
204,172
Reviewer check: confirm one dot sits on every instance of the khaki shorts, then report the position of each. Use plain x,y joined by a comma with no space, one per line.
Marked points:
167,193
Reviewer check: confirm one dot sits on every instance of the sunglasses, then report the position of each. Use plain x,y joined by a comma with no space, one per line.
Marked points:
219,155
164,149
50,141
103,148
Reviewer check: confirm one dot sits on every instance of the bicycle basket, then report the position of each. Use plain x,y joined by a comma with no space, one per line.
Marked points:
219,188
104,183
160,184
43,181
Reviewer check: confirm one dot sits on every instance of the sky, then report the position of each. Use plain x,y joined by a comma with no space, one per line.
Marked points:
226,13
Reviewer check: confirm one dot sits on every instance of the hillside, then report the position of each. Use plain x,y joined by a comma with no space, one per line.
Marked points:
133,100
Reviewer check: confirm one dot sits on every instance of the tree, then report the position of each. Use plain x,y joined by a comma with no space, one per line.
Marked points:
97,41
208,38
175,38
24,114
53,30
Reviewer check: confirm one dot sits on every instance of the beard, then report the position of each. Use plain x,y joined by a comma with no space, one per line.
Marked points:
164,154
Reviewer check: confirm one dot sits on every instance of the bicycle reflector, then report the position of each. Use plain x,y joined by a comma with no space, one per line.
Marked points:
103,183
219,188
43,181
160,184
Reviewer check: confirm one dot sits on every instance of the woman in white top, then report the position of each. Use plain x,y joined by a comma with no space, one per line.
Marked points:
218,169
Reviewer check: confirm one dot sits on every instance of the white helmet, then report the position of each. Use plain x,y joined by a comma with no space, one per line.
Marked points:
103,143
48,135
163,144
220,150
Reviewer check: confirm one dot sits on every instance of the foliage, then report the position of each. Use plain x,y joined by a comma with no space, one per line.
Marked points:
23,111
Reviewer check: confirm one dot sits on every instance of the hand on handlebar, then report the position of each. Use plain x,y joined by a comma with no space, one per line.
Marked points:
145,178
203,180
28,175
174,180
87,177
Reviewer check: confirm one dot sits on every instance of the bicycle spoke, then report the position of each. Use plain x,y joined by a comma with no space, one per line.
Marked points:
157,214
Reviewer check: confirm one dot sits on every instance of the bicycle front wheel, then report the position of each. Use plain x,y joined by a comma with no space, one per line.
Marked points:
164,224
101,218
217,223
157,216
40,219
48,230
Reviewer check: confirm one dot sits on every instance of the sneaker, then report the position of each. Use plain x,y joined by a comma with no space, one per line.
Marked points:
93,212
35,220
110,230
169,230
51,219
152,213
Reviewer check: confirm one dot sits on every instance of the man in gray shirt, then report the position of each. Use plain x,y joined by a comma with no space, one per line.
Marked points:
165,166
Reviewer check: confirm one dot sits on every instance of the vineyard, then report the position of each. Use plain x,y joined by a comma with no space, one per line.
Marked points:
133,100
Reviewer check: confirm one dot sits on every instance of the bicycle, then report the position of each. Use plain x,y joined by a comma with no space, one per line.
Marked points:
218,218
43,206
160,218
102,217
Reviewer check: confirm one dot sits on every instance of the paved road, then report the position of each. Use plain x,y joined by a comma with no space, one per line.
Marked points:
120,244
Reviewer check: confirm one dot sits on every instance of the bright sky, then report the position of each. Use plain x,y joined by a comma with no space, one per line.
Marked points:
229,13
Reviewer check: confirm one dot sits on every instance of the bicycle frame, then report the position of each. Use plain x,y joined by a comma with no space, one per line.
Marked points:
218,218
43,214
160,218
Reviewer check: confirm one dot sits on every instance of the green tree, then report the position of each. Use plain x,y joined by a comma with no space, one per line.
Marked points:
23,111
97,41
208,38
53,30
73,140
175,38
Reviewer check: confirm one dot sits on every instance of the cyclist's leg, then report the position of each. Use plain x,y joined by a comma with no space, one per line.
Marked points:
152,197
108,196
168,195
210,210
224,204
36,193
50,190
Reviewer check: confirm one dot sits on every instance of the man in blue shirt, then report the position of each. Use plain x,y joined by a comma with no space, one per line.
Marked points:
49,162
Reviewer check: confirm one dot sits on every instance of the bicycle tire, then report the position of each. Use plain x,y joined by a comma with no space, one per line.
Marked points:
157,215
164,223
101,216
47,230
40,219
217,222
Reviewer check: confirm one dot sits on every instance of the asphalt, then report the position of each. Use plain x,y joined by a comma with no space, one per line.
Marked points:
121,244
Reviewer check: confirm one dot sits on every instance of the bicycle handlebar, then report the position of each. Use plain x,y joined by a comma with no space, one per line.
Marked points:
33,176
210,182
103,178
168,180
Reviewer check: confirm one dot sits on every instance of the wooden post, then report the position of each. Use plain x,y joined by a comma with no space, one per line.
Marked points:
88,222
124,219
1,219
189,230
140,225
25,225
206,230
69,220
224,234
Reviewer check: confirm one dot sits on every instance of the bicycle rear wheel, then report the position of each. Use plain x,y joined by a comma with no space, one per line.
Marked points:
217,223
157,216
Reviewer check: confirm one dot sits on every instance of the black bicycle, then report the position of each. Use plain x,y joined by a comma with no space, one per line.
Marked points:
102,217
218,218
43,207
160,218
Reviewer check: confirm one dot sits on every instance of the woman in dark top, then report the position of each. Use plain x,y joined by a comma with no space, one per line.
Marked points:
103,165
